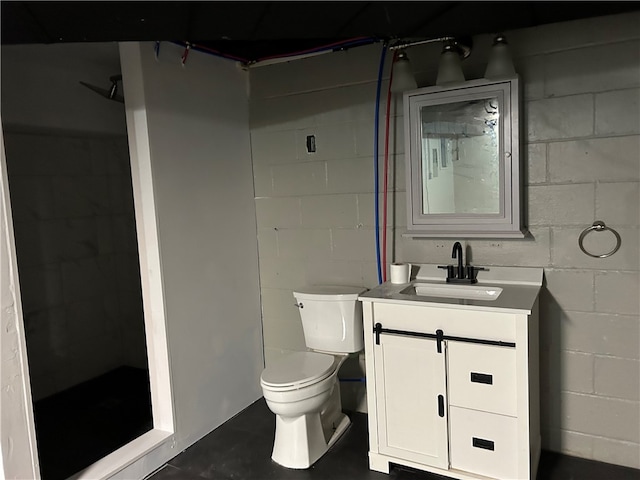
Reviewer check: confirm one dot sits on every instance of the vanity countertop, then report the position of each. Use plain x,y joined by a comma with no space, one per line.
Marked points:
520,288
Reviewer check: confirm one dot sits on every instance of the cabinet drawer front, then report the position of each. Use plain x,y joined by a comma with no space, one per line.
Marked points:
482,377
483,443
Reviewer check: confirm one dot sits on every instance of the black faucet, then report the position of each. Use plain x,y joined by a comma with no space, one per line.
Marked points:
461,274
457,251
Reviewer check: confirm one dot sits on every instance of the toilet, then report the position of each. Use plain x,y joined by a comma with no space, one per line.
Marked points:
302,388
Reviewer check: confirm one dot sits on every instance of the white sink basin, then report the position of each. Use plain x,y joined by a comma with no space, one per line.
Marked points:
448,290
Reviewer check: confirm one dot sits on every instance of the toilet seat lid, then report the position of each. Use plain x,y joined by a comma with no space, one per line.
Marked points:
297,368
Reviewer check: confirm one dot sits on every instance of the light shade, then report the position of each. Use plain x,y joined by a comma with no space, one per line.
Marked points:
403,78
500,62
450,67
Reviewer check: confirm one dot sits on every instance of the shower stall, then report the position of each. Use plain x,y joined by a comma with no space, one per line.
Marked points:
72,205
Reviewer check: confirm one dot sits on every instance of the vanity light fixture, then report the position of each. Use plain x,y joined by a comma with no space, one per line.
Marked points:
500,63
449,70
450,67
403,78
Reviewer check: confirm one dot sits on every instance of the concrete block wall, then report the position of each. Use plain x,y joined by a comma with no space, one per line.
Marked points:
314,210
583,126
581,142
74,225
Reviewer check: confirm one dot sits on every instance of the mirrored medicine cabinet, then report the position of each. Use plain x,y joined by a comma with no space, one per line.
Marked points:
463,160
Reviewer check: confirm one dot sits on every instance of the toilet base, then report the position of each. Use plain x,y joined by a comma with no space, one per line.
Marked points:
300,441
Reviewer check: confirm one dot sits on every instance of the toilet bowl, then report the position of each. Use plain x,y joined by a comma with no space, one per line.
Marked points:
309,418
302,388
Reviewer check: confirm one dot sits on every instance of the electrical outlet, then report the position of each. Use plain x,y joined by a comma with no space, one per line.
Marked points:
311,144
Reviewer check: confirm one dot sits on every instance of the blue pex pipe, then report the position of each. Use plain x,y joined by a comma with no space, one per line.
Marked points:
376,129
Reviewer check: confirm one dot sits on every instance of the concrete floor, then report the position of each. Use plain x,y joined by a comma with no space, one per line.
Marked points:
241,449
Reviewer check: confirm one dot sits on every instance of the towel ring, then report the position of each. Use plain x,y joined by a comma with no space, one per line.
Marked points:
599,226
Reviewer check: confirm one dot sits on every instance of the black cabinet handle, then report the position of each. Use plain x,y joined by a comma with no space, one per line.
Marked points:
441,405
482,378
482,443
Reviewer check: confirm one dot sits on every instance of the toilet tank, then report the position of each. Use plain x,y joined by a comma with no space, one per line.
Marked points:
331,318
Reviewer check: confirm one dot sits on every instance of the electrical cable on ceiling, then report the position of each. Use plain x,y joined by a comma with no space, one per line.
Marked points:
341,45
212,51
352,42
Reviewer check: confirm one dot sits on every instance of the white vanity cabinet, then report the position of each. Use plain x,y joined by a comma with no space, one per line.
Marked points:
452,387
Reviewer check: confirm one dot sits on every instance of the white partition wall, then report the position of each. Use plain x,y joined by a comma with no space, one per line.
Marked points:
189,140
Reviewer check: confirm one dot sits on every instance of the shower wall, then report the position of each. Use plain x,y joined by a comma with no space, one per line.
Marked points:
77,256
72,206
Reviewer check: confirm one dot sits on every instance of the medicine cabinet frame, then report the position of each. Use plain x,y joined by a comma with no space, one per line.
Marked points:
508,221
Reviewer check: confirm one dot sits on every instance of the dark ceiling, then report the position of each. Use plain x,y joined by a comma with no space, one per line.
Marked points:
254,30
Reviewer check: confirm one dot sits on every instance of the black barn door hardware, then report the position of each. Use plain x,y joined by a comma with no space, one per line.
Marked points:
378,329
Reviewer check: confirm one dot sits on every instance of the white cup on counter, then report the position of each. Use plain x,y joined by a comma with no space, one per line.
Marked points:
400,272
